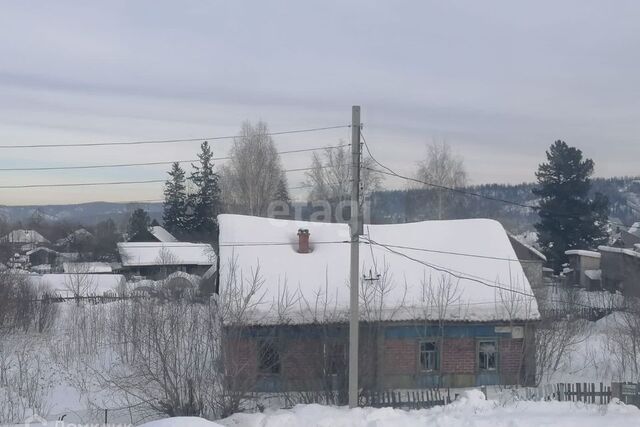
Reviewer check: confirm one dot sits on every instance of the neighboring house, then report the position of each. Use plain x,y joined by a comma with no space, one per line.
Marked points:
531,259
153,234
442,303
621,270
156,260
584,267
77,238
630,238
42,255
24,240
87,267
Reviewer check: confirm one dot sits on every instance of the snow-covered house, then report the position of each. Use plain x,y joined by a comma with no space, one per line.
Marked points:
531,259
42,256
441,303
75,239
23,240
157,260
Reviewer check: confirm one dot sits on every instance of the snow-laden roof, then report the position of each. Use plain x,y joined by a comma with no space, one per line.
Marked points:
24,236
77,235
161,234
581,252
529,246
41,248
165,253
593,274
88,284
635,228
610,249
312,287
86,267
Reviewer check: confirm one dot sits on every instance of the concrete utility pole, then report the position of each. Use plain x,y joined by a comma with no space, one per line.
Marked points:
354,322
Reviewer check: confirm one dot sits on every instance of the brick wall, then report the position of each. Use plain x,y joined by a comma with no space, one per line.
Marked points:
510,358
459,356
302,359
400,356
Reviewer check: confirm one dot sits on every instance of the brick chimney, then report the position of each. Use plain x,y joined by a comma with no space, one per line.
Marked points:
303,241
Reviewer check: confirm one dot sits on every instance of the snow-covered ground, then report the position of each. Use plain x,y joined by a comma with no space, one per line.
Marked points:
471,410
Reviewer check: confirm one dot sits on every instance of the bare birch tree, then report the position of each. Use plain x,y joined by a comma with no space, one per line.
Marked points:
443,168
253,175
330,177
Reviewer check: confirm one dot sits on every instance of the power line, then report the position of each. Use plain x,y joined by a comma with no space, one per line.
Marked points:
81,184
168,141
121,165
393,173
453,253
453,273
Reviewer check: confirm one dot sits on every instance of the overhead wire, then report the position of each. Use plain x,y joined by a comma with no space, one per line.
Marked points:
167,141
120,165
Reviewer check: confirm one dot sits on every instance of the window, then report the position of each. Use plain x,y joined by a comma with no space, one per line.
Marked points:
335,358
487,355
429,359
268,357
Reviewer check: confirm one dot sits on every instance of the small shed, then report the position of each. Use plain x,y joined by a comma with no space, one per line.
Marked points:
581,261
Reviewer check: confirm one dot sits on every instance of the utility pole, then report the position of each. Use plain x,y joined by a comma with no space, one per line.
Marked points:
354,323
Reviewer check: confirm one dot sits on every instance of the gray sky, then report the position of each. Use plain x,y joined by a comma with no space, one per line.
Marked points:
498,80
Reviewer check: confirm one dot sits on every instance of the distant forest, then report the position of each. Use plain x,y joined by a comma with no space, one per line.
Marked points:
399,206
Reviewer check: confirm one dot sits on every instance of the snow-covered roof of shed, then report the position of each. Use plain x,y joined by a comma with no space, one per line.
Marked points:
165,253
529,246
162,234
24,236
86,267
582,252
635,228
611,249
593,274
304,288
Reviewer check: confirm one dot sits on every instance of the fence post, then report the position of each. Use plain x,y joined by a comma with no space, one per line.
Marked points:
105,416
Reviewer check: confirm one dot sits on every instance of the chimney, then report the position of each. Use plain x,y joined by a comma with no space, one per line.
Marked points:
303,241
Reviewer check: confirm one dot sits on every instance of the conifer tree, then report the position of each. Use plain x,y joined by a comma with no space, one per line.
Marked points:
138,222
174,213
204,203
569,218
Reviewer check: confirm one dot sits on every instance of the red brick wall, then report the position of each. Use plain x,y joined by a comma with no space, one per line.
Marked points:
510,356
400,356
458,356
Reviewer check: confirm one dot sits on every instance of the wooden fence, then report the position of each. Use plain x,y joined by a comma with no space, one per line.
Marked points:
572,392
417,399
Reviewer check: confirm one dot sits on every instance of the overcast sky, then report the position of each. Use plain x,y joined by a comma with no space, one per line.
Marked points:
498,80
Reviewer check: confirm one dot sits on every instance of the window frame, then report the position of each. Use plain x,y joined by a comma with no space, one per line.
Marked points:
275,348
326,359
496,353
436,352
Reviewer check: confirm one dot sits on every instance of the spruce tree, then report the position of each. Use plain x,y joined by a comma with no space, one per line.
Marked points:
204,203
174,213
138,222
569,218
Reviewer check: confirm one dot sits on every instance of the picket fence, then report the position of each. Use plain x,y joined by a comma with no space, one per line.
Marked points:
571,392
